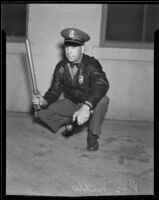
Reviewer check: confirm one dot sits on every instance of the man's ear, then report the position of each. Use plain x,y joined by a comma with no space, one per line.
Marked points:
83,47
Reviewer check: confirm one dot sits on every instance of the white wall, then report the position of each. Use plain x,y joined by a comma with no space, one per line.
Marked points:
18,83
129,71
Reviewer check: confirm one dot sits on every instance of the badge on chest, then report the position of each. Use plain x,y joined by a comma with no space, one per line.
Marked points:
80,79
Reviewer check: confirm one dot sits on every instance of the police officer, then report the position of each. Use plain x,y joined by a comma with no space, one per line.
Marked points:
84,84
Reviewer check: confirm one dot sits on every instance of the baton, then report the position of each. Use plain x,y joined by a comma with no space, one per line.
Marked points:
33,77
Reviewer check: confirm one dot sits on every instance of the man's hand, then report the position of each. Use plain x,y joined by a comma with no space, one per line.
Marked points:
38,100
82,115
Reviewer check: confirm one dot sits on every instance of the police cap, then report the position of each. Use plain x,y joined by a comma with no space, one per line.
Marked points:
74,36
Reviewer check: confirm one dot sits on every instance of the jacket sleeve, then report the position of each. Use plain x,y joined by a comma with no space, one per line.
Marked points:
99,84
56,87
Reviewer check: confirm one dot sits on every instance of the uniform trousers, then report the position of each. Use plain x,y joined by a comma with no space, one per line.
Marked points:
61,112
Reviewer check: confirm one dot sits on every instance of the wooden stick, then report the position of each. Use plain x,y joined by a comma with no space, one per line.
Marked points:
32,73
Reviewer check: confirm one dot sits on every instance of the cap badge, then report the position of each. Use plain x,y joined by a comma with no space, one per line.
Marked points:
71,33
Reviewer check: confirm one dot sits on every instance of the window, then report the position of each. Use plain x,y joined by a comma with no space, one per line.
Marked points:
14,21
129,24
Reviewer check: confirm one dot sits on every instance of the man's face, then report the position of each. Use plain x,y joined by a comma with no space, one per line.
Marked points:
73,53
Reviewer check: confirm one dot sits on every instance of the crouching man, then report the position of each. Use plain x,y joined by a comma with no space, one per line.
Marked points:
84,84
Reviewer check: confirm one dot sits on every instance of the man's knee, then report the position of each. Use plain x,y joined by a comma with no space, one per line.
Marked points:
104,101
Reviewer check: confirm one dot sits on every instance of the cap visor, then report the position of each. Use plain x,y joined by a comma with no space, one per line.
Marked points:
73,43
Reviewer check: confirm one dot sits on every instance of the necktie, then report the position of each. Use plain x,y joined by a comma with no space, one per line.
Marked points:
73,69
74,65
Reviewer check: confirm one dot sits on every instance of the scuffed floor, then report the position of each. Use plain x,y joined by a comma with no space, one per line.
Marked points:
42,163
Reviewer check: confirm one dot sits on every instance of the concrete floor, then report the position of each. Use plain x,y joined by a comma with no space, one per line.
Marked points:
42,163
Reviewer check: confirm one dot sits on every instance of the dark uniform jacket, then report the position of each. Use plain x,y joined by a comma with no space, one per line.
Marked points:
89,84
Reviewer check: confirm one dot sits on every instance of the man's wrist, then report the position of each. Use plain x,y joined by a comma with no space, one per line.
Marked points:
86,104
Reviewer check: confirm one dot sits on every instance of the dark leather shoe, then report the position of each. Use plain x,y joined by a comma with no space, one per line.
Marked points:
92,142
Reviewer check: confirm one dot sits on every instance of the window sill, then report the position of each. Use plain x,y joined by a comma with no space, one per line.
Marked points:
12,39
129,45
120,53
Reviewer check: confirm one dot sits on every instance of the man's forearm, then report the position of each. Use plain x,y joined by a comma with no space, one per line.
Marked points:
96,95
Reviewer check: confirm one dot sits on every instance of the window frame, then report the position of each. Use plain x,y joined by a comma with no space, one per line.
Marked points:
116,44
20,39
